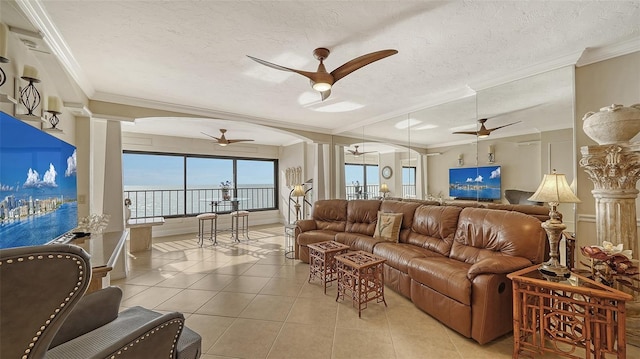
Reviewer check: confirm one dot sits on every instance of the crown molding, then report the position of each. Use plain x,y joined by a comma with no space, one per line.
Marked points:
198,111
596,54
38,16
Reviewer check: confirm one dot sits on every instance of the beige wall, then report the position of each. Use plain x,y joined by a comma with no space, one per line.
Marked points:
598,85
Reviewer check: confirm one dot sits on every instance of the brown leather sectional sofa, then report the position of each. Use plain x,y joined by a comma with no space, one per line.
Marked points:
450,260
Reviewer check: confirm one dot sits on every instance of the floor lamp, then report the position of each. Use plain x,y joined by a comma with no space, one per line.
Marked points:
554,189
298,191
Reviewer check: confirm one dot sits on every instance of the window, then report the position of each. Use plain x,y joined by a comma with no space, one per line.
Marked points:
361,181
408,182
173,185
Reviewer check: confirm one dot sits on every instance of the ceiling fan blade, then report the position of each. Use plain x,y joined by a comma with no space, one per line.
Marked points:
310,75
234,141
358,62
206,134
465,133
495,128
325,94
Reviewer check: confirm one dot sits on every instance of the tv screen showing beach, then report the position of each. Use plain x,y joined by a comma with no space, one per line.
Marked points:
38,195
477,183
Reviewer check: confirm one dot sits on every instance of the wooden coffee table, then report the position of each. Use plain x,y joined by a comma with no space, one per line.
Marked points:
322,264
360,274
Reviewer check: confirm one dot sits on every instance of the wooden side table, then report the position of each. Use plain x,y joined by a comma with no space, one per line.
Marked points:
361,273
573,318
322,264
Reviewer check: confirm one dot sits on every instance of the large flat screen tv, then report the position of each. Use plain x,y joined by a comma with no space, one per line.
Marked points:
38,193
475,183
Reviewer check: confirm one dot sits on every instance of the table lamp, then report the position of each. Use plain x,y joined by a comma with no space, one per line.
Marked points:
384,189
298,191
554,189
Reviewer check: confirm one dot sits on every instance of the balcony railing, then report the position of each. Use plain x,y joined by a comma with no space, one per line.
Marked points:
174,203
373,192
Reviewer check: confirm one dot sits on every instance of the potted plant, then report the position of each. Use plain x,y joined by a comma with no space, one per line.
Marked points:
226,190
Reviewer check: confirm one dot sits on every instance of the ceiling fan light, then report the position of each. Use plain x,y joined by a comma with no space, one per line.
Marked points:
321,86
222,144
483,136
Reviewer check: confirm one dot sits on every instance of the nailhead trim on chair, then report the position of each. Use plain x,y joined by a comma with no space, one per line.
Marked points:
147,334
57,310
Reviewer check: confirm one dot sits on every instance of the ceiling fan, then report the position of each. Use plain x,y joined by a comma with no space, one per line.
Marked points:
321,80
356,152
222,140
483,131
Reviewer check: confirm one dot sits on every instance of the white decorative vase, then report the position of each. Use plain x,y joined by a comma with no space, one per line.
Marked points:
612,124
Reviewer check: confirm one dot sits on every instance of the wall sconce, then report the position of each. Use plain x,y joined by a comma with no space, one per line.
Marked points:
29,96
491,156
54,108
4,43
384,189
460,160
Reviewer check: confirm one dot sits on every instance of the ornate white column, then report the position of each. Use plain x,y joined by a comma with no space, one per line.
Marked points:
614,170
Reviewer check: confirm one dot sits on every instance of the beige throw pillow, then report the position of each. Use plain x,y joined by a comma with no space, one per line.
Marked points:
388,226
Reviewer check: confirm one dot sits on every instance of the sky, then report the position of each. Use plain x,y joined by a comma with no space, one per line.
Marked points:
168,170
33,161
478,175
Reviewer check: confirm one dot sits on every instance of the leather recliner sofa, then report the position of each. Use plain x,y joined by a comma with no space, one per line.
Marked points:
451,261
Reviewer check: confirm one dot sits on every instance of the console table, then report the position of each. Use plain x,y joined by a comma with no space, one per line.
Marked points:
141,237
572,318
107,256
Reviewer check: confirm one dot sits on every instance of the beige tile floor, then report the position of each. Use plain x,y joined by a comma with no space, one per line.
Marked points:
247,300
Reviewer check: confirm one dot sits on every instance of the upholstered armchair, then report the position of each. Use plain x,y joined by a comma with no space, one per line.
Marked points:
43,313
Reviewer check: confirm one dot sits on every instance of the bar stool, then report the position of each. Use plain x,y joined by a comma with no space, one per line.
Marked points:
213,233
237,225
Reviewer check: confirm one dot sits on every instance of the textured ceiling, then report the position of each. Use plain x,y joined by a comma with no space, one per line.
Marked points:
193,53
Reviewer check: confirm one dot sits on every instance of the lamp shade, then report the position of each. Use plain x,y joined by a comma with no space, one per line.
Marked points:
298,191
384,188
554,189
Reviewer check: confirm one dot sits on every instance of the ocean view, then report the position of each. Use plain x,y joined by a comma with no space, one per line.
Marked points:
153,201
39,229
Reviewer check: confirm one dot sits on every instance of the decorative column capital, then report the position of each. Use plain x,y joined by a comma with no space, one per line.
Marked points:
612,167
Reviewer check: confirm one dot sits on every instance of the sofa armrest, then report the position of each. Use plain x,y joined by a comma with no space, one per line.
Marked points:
497,265
305,225
92,311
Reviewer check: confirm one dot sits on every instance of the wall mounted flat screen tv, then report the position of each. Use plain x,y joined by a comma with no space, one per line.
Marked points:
475,183
38,193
